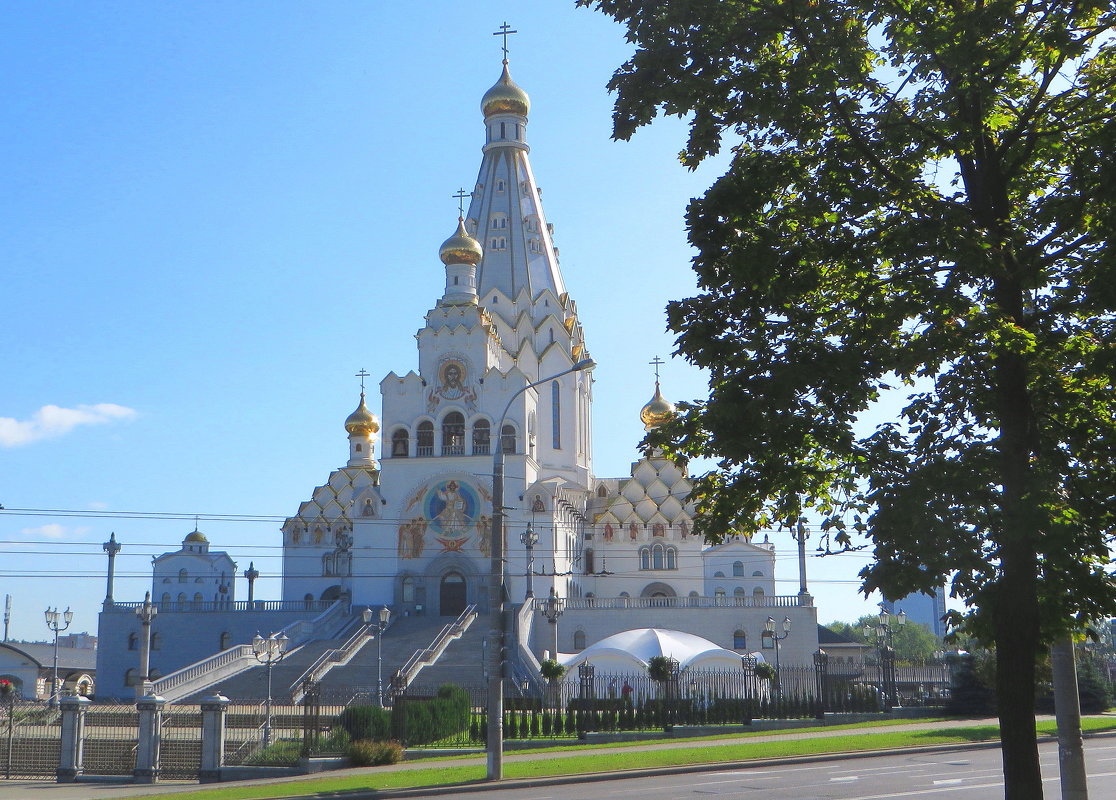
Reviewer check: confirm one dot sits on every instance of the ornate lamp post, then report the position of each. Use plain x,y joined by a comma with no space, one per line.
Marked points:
769,636
497,626
530,539
380,626
885,649
56,622
552,609
146,613
269,652
821,664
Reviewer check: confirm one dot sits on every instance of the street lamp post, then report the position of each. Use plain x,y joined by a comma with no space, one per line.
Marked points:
530,539
380,627
146,613
774,638
886,651
552,609
57,622
269,652
498,624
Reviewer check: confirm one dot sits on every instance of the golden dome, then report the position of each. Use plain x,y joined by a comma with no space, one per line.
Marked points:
362,420
505,97
657,411
196,536
461,248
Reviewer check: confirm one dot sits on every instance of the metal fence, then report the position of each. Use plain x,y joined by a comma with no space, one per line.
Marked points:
110,739
32,733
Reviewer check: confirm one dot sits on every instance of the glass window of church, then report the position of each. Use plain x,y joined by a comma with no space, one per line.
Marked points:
156,641
224,641
400,444
739,592
482,437
657,556
181,599
166,598
198,598
671,558
589,562
739,640
644,558
133,641
757,592
507,439
719,593
738,568
425,438
182,576
579,640
758,573
408,592
453,434
556,414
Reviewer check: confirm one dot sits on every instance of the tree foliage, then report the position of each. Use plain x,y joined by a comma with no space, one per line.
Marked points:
912,642
920,199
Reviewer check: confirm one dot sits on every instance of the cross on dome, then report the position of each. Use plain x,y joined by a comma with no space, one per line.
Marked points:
460,196
505,31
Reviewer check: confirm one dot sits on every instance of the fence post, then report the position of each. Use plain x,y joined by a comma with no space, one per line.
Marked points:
150,731
212,738
73,738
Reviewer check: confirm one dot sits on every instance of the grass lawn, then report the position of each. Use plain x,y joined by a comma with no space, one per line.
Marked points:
630,758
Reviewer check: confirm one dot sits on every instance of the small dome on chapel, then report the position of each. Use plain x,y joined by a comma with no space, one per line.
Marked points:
195,537
362,420
505,97
461,248
657,411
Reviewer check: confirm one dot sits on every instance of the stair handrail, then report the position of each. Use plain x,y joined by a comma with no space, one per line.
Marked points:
335,656
428,655
237,658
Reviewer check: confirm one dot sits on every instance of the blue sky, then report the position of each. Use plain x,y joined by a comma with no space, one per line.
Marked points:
214,214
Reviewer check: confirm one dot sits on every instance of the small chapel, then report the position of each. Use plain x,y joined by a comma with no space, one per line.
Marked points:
503,369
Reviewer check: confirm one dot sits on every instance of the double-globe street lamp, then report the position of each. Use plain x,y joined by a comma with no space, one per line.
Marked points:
771,639
885,648
380,626
551,608
57,622
498,625
269,652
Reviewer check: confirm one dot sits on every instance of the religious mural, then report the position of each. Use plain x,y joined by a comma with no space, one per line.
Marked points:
453,385
448,510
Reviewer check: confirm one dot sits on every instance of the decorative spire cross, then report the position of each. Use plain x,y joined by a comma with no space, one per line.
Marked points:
505,31
362,375
656,362
461,195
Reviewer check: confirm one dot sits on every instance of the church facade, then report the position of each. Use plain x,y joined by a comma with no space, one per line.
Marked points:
503,363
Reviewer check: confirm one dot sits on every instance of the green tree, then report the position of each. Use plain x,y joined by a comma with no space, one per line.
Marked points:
920,197
912,642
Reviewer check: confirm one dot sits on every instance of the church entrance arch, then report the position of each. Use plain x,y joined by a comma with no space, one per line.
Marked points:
452,594
331,594
659,593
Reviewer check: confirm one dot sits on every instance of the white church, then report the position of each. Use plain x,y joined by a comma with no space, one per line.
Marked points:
406,522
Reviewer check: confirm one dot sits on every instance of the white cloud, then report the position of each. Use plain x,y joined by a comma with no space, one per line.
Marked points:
52,530
51,421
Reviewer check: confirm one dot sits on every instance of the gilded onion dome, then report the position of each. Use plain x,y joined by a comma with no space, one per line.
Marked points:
505,97
362,421
461,248
195,536
657,411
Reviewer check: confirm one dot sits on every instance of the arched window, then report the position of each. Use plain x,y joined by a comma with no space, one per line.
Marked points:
453,434
719,592
408,592
223,642
556,415
671,558
644,558
482,437
718,574
738,569
156,641
198,599
130,677
400,443
183,577
425,439
165,599
739,640
757,592
133,641
589,570
308,600
758,573
579,641
507,439
739,592
602,491
181,599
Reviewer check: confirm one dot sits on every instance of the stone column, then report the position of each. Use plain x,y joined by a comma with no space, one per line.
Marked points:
150,731
73,738
213,710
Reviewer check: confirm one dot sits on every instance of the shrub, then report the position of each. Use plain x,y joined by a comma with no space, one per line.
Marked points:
366,722
416,721
375,754
551,670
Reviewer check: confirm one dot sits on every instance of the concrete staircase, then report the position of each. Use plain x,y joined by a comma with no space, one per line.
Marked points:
462,663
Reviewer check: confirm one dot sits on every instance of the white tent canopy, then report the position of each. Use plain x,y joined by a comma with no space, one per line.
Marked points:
630,651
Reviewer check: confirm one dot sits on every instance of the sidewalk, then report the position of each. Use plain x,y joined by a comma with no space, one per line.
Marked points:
94,789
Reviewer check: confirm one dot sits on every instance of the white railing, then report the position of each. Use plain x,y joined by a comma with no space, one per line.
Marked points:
427,656
612,603
238,658
335,657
